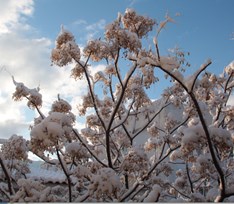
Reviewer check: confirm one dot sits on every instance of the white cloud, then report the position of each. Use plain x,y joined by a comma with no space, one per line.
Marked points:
12,13
12,53
94,29
132,3
86,31
100,25
79,22
28,60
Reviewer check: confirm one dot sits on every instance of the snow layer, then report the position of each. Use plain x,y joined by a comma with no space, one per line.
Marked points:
45,175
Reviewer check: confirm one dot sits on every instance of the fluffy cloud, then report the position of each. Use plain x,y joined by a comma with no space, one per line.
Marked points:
13,50
94,29
12,14
87,31
11,117
28,60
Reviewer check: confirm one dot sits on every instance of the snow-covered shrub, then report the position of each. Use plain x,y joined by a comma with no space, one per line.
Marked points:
105,183
51,132
133,148
135,162
33,95
66,49
77,151
15,154
34,191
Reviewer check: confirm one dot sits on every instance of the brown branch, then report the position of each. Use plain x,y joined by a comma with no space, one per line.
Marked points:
8,177
205,128
83,143
159,161
189,178
138,191
83,198
162,150
178,191
210,145
66,174
124,120
182,123
147,124
98,114
129,192
226,84
202,68
5,193
38,110
91,89
44,158
157,50
225,91
111,89
127,133
117,70
111,120
157,199
126,181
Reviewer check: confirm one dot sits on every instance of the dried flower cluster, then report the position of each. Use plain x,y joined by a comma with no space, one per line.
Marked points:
33,95
51,132
138,24
15,154
66,49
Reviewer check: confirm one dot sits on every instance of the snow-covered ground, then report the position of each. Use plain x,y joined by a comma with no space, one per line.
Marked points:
47,175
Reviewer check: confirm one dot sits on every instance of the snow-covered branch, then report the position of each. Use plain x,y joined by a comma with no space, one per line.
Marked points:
132,148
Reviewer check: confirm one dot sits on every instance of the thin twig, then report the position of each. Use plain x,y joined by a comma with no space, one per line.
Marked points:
117,69
129,192
84,144
111,120
66,174
147,124
204,126
178,191
160,160
189,178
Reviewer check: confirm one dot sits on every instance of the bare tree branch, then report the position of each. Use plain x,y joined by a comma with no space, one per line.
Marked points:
8,177
66,174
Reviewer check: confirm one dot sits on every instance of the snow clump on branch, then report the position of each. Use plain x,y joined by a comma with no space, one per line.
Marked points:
66,49
33,95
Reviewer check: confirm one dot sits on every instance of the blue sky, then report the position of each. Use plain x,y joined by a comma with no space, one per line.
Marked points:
28,29
204,27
